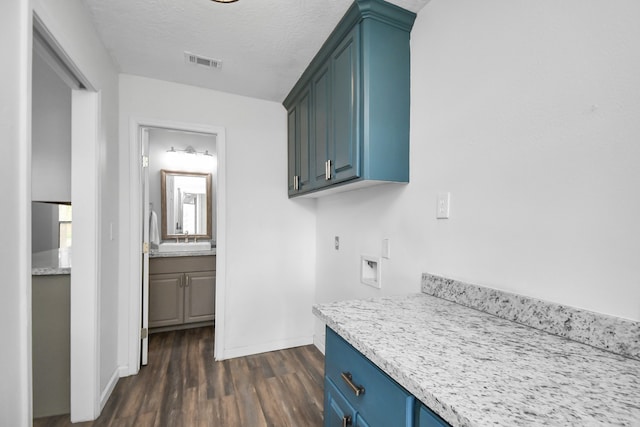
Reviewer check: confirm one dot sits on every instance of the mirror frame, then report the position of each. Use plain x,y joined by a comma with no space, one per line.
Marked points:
163,191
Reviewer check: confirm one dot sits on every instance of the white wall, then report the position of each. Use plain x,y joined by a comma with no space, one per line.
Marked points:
15,259
51,135
527,112
269,239
44,226
70,24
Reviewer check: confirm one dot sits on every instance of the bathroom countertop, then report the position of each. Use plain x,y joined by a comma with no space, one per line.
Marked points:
155,254
52,262
476,369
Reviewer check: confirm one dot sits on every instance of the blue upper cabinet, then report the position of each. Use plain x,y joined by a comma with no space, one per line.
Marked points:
299,143
343,160
358,121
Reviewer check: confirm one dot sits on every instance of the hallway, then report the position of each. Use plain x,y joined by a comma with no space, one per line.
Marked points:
183,386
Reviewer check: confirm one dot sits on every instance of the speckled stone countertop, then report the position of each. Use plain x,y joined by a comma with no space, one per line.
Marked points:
51,263
475,369
156,254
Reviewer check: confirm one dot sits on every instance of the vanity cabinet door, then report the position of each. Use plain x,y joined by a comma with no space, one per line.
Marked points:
199,296
166,299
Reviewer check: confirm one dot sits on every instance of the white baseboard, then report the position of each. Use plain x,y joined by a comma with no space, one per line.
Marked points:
231,353
106,393
318,341
124,371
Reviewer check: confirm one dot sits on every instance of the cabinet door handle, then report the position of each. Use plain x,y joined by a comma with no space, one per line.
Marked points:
327,170
187,279
357,389
296,182
180,284
346,421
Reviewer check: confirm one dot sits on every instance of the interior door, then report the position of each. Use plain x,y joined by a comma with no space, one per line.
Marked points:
145,248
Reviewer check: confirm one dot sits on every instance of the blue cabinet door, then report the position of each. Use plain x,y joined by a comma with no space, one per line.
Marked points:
321,87
336,86
299,144
344,151
291,150
337,411
427,418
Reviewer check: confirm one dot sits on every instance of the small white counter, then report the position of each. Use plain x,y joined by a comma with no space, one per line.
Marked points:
51,263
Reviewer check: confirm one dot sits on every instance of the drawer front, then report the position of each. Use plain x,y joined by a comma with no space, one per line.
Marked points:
383,402
182,264
337,411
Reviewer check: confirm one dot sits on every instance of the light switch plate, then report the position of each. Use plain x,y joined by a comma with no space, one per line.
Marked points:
443,205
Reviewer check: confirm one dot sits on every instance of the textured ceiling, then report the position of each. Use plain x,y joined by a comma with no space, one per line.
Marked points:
264,45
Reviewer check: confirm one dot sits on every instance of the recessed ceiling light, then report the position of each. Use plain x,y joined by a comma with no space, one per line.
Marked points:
224,1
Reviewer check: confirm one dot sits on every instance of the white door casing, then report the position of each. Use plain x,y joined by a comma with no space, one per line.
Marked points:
145,245
136,212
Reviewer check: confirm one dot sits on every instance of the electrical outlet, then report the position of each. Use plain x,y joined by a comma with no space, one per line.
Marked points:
443,203
336,243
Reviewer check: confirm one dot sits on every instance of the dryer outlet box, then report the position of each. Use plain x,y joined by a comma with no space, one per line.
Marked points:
370,271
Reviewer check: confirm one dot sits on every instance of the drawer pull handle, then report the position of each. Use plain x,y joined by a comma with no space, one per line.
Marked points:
346,421
357,389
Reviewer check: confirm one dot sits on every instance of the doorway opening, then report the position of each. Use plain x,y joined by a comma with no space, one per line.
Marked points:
65,154
178,281
179,224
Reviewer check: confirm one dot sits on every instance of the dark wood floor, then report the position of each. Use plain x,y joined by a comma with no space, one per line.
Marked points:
184,386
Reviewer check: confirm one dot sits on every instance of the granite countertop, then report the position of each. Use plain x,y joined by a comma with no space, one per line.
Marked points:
475,369
51,262
155,254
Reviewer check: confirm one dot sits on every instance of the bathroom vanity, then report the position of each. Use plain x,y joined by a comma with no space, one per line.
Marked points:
181,290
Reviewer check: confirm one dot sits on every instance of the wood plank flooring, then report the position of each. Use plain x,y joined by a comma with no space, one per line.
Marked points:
184,386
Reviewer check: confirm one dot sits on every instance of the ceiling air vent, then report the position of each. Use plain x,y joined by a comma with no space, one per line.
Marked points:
202,61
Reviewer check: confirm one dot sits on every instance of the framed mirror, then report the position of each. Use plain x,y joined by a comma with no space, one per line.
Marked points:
186,204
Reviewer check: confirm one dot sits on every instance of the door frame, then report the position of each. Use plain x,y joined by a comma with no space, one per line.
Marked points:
134,241
85,280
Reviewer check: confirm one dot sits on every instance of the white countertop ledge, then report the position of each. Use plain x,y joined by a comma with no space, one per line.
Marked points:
51,262
475,369
155,254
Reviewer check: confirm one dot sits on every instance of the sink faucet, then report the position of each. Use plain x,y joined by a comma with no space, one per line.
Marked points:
186,237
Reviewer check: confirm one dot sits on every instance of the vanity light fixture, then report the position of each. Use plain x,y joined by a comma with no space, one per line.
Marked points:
191,150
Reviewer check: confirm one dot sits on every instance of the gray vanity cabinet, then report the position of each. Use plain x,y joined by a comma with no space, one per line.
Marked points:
166,299
200,296
181,292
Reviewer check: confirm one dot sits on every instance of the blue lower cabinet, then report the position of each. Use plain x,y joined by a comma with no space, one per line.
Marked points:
425,417
338,412
362,388
357,390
